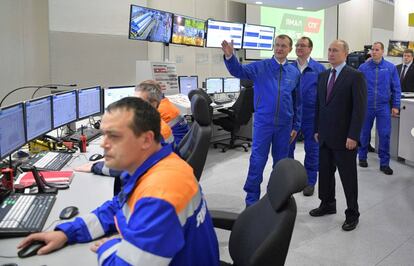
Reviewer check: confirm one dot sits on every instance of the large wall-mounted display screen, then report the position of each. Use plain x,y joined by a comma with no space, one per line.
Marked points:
258,37
148,24
217,31
188,31
320,26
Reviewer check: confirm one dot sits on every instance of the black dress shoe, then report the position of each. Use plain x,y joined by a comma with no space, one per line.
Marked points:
386,170
350,225
321,211
308,190
363,163
370,148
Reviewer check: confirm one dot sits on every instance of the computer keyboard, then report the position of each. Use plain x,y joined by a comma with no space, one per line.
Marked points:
223,101
22,214
90,133
49,160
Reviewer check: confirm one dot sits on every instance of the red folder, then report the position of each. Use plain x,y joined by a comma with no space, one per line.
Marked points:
60,177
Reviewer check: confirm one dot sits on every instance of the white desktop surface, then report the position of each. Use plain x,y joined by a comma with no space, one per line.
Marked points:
87,191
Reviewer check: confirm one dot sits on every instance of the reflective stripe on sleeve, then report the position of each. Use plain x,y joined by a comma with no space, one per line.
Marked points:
175,121
191,207
94,226
136,256
105,170
108,253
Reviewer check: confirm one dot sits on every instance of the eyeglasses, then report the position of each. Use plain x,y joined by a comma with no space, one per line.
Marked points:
300,45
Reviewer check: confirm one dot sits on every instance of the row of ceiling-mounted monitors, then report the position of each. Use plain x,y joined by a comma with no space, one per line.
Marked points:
28,120
154,25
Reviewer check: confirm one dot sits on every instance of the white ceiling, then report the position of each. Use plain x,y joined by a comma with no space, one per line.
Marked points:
293,4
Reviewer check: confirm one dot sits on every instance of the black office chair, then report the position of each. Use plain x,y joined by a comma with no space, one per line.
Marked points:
236,116
203,94
261,234
193,148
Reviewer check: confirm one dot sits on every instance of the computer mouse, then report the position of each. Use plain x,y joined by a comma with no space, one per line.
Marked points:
68,212
31,249
95,157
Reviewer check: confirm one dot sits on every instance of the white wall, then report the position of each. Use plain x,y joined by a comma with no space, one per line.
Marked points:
355,23
24,47
91,16
401,29
89,42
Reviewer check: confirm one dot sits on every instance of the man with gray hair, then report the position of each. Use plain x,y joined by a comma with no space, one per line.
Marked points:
340,110
170,114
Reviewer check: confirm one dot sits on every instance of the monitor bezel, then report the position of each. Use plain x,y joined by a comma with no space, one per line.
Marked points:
210,19
110,88
24,128
129,26
100,102
179,84
25,117
76,111
222,85
231,91
273,40
172,31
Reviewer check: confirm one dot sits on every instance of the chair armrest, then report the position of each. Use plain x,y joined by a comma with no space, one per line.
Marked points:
223,219
226,111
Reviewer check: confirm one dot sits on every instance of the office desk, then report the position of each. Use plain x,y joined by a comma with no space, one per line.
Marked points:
86,192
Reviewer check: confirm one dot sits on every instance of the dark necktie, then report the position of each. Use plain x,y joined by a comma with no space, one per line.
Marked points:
403,72
331,84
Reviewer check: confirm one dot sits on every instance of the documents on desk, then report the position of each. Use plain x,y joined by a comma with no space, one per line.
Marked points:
57,177
182,102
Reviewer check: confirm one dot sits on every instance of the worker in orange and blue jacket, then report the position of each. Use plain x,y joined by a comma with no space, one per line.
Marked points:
160,217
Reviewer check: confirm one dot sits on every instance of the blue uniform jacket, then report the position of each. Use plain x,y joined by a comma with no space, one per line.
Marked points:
284,104
160,215
309,87
383,83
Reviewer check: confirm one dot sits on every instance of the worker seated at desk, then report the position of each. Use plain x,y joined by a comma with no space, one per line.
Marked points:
173,128
160,217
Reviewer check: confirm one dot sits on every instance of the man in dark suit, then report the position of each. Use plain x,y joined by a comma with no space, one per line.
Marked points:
407,77
340,111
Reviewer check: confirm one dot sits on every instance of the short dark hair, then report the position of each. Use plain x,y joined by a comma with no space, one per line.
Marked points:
409,51
146,117
284,36
309,41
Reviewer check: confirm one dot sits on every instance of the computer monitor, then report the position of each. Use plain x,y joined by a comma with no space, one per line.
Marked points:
12,131
148,24
38,117
231,85
258,37
64,108
217,31
113,94
214,85
188,31
89,102
187,84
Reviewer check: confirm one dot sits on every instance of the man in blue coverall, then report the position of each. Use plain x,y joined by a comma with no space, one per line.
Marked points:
383,85
310,70
160,217
277,105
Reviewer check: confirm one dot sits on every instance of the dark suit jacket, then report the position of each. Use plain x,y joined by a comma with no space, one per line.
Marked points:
342,116
407,84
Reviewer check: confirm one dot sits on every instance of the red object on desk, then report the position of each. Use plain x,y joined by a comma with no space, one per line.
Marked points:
61,177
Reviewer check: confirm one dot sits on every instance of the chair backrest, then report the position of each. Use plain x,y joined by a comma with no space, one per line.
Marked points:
193,148
203,94
261,234
243,107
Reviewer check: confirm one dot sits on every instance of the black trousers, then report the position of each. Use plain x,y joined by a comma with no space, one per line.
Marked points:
345,162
